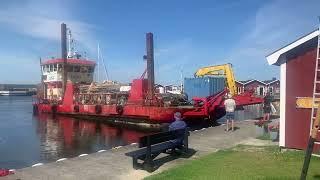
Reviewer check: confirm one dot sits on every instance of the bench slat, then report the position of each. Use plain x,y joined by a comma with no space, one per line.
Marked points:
161,137
154,149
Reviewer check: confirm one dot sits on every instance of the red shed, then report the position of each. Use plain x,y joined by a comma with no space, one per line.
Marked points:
297,69
260,87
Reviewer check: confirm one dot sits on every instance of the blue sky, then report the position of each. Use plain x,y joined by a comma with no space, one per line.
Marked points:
187,34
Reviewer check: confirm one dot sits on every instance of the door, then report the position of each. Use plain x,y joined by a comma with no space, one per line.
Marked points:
260,91
271,90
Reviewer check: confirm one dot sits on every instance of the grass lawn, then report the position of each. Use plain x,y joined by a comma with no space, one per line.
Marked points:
265,136
244,162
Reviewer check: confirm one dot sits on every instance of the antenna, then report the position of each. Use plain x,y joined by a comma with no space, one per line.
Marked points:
98,62
105,68
181,76
70,44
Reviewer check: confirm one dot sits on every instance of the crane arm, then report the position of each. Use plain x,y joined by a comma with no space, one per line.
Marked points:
224,69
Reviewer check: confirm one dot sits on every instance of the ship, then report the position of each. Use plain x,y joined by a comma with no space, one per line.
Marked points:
17,89
68,89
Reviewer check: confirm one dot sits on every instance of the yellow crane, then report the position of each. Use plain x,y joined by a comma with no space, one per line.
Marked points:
220,70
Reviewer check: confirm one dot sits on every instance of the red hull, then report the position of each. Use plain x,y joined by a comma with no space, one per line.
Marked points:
209,107
150,113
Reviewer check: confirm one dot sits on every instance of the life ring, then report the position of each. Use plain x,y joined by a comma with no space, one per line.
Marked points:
76,108
119,109
98,109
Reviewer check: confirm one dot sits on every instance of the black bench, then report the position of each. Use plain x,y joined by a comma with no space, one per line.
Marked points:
153,145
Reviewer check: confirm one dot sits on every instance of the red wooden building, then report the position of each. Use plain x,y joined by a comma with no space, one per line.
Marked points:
260,87
297,68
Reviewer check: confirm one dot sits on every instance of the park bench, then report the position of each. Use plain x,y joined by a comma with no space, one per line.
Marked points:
151,146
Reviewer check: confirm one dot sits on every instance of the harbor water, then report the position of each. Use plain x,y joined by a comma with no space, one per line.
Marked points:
26,139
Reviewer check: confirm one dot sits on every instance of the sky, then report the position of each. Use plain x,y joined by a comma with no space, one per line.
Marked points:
187,35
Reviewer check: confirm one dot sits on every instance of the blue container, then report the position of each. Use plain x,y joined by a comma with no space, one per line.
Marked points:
203,87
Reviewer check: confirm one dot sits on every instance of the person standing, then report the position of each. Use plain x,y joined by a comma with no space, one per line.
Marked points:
267,106
230,106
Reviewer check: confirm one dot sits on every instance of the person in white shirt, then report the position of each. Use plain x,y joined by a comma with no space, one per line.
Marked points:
230,106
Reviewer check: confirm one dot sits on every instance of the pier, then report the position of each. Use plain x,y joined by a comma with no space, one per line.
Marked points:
113,164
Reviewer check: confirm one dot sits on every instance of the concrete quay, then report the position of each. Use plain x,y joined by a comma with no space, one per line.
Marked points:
113,164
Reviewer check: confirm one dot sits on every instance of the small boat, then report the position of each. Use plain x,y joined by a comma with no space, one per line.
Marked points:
17,93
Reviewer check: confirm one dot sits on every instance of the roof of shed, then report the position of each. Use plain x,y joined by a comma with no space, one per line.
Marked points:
291,50
266,82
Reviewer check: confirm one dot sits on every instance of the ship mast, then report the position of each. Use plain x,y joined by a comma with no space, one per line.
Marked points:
150,67
64,56
98,62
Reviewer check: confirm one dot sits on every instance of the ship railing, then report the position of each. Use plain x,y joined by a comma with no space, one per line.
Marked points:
100,98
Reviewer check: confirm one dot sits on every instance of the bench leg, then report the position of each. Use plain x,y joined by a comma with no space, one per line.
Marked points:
135,163
186,142
149,165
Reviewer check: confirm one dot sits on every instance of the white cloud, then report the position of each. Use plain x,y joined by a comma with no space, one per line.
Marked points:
42,19
39,23
274,25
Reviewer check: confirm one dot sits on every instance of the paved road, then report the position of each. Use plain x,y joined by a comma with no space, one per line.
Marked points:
113,164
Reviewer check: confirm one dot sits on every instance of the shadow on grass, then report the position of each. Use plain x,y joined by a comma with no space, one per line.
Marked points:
161,161
317,176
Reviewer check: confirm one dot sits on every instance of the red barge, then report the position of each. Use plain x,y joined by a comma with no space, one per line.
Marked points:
63,78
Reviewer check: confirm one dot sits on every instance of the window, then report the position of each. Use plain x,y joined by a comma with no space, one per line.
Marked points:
271,90
76,68
260,91
90,69
84,69
54,67
239,90
70,68
50,67
59,67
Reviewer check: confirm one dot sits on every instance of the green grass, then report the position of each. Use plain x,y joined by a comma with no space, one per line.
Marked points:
244,162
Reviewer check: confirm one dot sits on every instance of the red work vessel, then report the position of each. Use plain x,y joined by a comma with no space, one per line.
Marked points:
142,104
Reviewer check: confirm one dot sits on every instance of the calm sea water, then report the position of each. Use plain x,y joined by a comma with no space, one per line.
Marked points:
26,139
